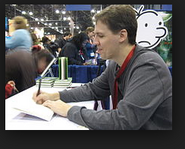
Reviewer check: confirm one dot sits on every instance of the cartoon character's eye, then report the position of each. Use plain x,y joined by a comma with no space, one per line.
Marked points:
146,24
160,23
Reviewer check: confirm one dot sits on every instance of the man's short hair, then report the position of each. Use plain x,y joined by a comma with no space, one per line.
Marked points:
67,34
89,29
20,22
118,17
44,53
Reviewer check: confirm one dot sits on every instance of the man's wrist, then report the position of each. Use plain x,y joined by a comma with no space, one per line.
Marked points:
55,96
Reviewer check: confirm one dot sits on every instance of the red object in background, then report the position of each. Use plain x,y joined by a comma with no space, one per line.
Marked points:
36,48
167,42
8,90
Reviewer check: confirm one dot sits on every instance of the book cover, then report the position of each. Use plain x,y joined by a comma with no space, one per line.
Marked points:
63,67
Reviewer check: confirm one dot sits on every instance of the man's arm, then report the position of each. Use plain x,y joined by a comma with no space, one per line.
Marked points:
97,89
143,94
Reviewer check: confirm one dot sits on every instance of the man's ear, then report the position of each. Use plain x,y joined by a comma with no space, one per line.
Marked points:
123,35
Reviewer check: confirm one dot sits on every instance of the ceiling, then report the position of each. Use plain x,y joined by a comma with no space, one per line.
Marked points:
53,22
53,17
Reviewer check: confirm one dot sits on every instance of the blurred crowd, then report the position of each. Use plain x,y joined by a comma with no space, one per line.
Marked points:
26,56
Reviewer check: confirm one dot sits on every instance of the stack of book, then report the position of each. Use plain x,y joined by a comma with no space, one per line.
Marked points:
62,82
46,82
54,82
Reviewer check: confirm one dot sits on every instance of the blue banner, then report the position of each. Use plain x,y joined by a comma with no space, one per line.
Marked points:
167,7
78,7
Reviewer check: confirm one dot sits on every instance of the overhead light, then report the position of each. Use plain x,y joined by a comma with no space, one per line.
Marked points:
30,13
57,11
93,11
69,18
23,12
63,12
64,18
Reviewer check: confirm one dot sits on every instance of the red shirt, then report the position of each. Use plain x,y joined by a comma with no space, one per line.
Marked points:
8,90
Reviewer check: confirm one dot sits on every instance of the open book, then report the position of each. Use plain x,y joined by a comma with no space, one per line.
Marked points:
28,106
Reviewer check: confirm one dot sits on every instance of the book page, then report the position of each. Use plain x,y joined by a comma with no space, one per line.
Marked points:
30,107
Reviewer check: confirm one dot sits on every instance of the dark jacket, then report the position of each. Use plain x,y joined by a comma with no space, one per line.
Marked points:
144,96
74,57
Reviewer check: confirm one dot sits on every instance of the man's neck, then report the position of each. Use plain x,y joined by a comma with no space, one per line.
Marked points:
123,53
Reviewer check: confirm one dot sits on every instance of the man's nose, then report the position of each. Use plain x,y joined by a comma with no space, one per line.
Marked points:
96,42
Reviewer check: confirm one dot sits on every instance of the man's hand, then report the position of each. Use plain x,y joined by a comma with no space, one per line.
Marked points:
58,107
43,96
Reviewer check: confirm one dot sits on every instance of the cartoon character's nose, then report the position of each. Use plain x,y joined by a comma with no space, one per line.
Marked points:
164,32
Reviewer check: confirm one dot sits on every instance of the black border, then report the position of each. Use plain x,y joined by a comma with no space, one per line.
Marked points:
114,139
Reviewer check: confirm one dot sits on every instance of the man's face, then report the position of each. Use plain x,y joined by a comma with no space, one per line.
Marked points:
106,41
91,34
67,37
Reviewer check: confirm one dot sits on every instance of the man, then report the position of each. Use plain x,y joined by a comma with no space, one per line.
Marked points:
137,78
74,50
21,38
62,41
23,66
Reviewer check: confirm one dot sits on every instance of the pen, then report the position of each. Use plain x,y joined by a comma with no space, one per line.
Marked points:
38,92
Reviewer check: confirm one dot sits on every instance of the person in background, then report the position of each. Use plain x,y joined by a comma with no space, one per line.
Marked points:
10,89
23,66
62,41
50,45
90,46
137,79
21,38
35,40
74,50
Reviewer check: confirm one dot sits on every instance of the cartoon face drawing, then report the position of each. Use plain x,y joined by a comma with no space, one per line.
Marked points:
151,29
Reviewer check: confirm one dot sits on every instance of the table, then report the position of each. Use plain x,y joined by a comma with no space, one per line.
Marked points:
79,73
15,120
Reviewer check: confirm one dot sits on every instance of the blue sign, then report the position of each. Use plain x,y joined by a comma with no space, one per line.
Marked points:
78,7
6,24
167,7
